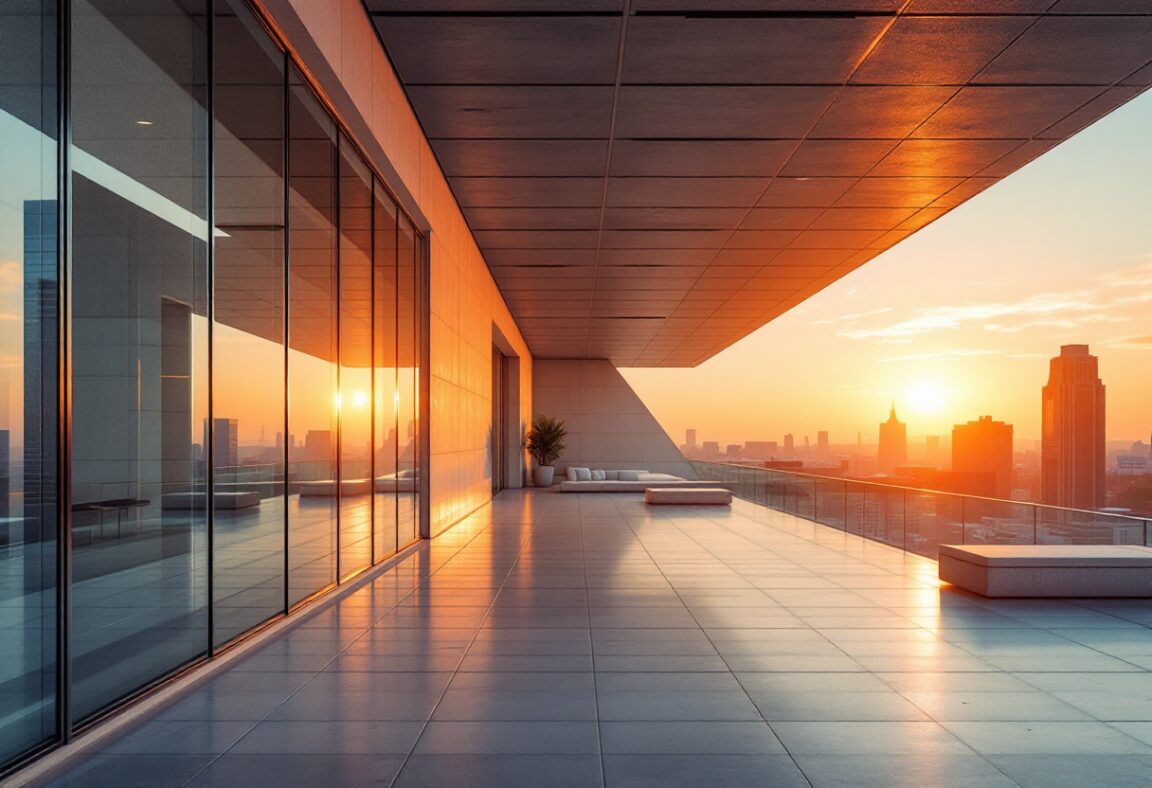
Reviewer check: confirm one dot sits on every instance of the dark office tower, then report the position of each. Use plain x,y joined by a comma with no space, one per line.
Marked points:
690,439
1072,448
822,443
225,443
985,447
789,445
893,451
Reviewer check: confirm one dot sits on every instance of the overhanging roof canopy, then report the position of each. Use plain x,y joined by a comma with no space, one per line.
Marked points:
651,180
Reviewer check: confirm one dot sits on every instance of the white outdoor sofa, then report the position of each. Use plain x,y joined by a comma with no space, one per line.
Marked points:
596,480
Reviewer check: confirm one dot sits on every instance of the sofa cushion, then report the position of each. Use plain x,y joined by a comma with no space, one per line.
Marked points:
612,476
583,474
572,477
629,476
597,475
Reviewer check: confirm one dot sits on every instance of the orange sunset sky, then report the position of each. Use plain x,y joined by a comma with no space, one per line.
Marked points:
960,319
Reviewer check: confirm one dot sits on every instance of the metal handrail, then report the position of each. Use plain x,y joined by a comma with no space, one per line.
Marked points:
920,490
792,482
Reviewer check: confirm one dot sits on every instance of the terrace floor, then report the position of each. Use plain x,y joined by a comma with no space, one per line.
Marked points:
587,640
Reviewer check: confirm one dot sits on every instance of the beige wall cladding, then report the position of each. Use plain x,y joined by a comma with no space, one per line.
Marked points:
340,49
609,426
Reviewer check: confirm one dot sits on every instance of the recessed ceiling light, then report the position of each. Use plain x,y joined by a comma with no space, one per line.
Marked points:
803,179
143,123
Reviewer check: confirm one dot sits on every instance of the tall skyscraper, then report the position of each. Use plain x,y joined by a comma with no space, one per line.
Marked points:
985,446
225,443
690,439
893,449
789,445
822,443
1072,431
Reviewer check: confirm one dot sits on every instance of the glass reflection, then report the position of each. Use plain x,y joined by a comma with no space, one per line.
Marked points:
312,342
407,307
355,362
248,444
28,299
387,481
139,335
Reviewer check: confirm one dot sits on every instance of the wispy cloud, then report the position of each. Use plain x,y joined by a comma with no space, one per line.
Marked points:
1137,276
1130,343
951,318
945,354
852,317
1046,312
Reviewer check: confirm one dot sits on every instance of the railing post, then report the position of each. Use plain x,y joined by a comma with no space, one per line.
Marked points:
904,537
845,481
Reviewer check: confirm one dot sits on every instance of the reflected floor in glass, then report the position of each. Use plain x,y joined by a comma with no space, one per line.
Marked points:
590,640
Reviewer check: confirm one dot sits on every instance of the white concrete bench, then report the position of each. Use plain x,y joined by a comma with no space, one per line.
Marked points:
1055,570
326,488
702,496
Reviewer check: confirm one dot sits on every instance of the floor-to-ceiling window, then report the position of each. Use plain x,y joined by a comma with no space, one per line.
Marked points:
386,479
407,379
249,436
139,344
28,379
355,398
313,374
243,382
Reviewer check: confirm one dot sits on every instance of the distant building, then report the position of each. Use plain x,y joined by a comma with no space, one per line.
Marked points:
761,450
734,450
225,443
789,445
318,445
985,446
5,482
710,450
1133,464
690,440
929,478
822,443
893,449
1072,431
932,450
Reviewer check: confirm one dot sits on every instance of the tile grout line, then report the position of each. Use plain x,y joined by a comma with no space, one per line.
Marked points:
421,547
592,649
704,632
525,538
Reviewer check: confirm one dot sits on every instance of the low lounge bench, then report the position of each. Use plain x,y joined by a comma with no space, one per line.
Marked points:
326,488
703,496
221,500
1049,570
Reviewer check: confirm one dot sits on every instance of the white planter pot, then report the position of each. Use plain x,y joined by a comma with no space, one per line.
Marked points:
542,475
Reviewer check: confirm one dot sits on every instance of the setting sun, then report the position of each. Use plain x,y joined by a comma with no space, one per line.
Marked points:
926,397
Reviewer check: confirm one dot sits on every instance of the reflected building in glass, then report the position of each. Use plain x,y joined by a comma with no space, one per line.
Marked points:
231,266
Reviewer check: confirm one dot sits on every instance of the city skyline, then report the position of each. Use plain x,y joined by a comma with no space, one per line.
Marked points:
960,319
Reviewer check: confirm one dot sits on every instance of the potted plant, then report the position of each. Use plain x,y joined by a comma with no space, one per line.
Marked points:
545,442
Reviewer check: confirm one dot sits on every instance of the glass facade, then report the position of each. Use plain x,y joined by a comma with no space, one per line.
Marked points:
29,534
231,300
